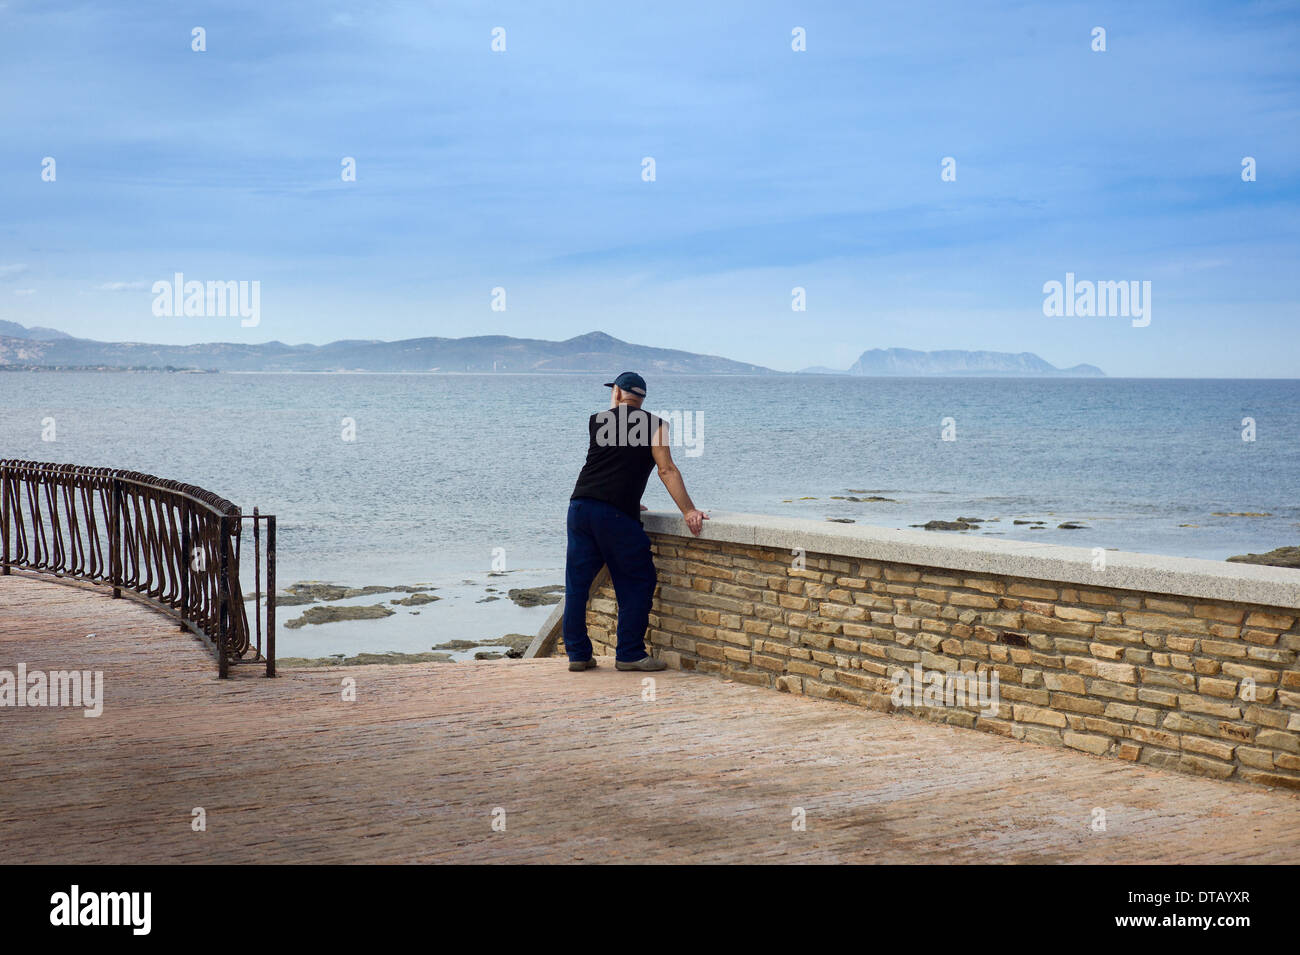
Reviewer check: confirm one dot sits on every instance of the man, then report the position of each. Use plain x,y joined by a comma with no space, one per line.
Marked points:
624,443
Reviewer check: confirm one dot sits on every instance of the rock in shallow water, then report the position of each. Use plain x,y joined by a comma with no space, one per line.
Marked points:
319,591
363,659
313,591
515,644
416,600
460,644
1278,557
334,614
537,596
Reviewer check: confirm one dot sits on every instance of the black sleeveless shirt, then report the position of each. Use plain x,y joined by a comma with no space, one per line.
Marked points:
619,457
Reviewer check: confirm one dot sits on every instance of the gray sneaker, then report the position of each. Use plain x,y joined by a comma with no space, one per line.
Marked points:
645,663
576,665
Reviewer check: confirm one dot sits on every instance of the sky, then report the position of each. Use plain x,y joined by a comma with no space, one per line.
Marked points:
774,168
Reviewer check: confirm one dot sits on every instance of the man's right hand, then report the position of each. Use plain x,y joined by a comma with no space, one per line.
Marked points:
695,521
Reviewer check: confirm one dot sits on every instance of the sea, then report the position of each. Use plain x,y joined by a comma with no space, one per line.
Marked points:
461,482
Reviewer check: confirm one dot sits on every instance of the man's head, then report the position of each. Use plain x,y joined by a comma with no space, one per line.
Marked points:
629,389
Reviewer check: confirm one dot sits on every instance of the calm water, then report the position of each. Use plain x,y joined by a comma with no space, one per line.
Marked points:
444,469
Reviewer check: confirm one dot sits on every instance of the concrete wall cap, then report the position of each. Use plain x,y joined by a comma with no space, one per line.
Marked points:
1151,573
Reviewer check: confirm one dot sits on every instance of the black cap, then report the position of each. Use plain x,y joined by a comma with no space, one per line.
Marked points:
630,382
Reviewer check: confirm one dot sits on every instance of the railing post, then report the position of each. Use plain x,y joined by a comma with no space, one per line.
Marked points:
270,595
186,558
115,540
223,600
257,579
4,518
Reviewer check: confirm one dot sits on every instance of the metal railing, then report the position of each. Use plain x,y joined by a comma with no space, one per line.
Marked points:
176,545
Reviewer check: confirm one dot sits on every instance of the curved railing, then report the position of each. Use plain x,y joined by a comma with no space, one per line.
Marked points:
174,544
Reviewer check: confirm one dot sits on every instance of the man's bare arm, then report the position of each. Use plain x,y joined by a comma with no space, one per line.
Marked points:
672,479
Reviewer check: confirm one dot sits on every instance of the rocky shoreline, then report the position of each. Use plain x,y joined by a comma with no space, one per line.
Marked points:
971,523
322,600
513,646
1278,557
383,623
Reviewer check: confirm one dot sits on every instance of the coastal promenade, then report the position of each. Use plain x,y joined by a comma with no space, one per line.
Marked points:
585,769
1181,664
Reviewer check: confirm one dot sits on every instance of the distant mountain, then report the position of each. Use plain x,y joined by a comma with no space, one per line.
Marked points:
905,362
36,333
592,352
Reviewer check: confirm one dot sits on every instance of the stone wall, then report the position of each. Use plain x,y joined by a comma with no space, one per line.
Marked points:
1144,659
